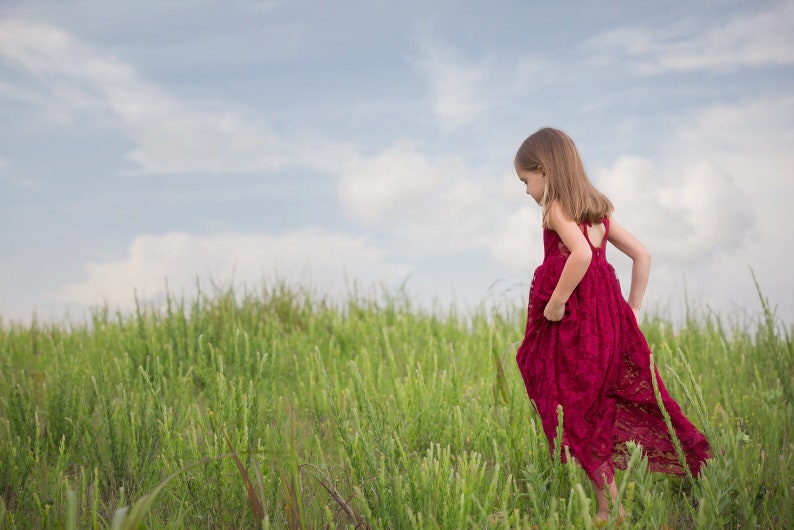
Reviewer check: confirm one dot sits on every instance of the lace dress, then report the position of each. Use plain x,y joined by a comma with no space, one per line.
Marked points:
595,362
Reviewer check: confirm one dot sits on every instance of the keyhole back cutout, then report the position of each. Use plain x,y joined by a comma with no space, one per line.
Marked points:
595,234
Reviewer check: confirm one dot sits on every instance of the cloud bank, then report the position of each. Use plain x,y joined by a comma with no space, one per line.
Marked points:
740,40
170,136
310,256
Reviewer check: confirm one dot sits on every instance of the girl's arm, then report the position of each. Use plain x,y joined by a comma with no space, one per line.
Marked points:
641,261
575,266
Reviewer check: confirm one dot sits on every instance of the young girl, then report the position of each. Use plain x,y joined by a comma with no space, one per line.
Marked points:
582,347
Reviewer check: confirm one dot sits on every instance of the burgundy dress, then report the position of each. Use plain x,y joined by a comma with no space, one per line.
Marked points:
595,362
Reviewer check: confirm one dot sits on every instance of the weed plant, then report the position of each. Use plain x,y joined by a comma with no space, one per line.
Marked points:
278,408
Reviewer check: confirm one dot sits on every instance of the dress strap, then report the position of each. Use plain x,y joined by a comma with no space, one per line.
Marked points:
585,224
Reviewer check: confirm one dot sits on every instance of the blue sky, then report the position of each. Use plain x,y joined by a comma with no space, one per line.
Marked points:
372,142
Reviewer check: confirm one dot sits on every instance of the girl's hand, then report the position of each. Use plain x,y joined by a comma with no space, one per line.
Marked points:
636,314
554,311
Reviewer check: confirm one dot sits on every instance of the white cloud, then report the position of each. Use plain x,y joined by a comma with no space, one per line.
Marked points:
315,257
743,39
373,187
431,203
467,90
684,211
460,215
519,246
456,84
753,138
170,135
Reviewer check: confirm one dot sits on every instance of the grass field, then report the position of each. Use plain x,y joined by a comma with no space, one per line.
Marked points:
277,408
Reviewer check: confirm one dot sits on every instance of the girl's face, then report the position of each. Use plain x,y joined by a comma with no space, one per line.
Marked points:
534,180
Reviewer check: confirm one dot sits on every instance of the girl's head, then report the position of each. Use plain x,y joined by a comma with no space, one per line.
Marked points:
552,154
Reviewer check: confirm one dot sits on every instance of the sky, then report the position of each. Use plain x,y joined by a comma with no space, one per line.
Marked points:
351,145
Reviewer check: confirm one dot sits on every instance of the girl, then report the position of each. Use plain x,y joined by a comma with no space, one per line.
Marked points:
582,347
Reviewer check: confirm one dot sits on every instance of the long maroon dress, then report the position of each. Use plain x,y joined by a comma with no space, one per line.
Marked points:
595,362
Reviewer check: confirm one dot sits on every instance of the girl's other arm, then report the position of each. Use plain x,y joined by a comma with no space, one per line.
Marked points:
575,266
641,261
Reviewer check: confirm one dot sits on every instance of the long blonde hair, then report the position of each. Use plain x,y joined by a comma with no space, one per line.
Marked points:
552,152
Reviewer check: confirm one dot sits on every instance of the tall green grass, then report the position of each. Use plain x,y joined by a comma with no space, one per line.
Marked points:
279,408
